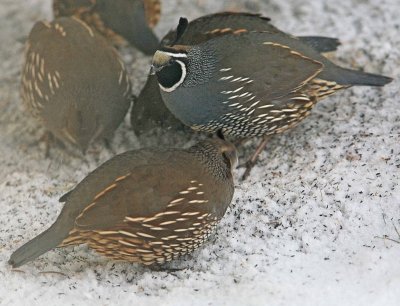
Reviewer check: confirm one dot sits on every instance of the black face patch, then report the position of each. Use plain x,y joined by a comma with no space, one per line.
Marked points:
169,75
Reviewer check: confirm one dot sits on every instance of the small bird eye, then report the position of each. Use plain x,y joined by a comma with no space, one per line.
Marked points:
171,75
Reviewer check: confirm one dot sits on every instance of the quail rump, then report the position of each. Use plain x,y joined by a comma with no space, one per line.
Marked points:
74,81
149,110
118,20
145,206
249,83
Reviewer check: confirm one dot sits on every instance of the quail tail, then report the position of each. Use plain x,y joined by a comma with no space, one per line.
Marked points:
320,43
39,245
351,77
145,40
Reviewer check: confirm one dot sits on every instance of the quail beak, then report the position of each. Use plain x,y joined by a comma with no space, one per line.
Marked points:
153,70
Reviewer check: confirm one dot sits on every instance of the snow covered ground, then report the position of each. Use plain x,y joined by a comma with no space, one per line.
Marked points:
307,228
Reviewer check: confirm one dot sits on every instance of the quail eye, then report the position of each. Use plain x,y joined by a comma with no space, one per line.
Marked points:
170,75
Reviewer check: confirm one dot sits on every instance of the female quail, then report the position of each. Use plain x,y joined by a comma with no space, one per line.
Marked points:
145,206
74,81
149,110
118,20
249,83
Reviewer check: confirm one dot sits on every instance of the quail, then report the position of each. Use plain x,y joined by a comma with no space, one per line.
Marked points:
74,82
118,20
149,110
249,83
145,206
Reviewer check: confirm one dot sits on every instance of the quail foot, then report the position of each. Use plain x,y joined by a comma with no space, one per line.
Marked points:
117,20
149,110
249,83
74,82
146,206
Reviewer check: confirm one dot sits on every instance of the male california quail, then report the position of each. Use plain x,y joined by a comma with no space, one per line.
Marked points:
149,110
118,20
145,206
249,83
74,81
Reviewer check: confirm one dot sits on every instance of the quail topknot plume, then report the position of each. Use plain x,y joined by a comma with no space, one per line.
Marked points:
118,20
145,206
74,81
250,83
149,110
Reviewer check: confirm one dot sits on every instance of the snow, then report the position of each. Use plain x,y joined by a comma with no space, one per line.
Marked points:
308,226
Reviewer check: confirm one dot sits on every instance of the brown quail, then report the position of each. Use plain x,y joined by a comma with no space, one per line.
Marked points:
149,110
74,81
249,83
118,20
145,206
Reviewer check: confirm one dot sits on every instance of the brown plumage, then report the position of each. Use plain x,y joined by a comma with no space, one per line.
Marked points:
146,206
74,82
117,20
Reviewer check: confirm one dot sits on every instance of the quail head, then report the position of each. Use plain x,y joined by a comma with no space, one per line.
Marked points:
145,206
249,83
149,110
118,20
74,81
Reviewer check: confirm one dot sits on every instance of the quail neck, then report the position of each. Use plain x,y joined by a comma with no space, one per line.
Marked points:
218,157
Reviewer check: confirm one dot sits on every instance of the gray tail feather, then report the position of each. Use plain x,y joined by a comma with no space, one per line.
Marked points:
321,44
143,38
346,76
39,245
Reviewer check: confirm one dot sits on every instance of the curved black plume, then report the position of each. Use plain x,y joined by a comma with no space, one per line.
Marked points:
220,134
180,29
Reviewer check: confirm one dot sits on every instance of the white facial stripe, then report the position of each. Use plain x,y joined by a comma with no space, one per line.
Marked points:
183,76
174,54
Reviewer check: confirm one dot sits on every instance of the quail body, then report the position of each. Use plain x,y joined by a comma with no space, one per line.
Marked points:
145,206
149,110
74,82
249,83
117,20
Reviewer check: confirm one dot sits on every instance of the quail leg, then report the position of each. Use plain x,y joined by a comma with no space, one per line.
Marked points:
252,161
47,138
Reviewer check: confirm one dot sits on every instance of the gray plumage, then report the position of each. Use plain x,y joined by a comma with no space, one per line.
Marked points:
149,111
249,83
